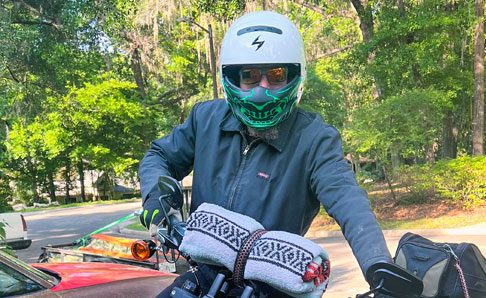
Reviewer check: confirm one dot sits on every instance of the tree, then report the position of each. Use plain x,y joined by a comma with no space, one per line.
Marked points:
478,118
107,127
409,123
32,150
424,45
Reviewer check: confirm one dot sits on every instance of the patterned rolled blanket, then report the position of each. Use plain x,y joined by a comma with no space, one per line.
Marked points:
285,261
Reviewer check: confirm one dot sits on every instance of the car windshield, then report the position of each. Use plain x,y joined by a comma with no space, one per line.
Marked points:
14,283
13,262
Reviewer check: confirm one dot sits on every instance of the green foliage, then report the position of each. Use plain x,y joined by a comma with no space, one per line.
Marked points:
2,235
323,91
460,180
68,68
106,125
423,45
4,206
2,231
409,123
221,9
103,124
417,181
3,246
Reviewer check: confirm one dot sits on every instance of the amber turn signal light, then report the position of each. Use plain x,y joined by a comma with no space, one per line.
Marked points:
142,250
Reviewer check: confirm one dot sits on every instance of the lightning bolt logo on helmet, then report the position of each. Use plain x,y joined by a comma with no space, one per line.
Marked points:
257,42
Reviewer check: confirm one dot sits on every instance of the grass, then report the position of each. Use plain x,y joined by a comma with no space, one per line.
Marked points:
442,222
325,223
137,226
107,202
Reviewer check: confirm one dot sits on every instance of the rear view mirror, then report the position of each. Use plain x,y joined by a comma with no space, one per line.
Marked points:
390,279
172,190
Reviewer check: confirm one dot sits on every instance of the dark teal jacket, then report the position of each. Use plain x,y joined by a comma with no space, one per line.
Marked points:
279,183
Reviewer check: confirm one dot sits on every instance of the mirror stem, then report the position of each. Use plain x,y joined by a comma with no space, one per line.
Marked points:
367,294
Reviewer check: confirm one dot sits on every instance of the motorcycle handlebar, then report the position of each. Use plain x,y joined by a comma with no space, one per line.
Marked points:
386,278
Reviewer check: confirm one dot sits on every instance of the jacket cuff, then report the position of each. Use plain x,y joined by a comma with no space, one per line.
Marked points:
153,193
366,265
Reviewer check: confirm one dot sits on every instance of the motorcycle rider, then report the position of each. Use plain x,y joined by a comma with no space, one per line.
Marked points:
259,154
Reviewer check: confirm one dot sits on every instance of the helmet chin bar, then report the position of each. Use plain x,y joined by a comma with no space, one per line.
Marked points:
259,107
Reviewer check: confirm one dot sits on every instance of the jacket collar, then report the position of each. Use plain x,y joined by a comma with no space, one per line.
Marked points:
231,124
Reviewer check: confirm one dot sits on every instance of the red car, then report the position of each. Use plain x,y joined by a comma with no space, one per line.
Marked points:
79,279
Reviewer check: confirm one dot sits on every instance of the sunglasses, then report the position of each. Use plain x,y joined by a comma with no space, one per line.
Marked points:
274,75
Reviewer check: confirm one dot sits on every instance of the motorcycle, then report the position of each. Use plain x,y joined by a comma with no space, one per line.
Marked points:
386,278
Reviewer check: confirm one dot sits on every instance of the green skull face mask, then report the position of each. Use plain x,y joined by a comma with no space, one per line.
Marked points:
260,107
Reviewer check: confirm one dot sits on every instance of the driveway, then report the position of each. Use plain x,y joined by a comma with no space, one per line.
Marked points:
346,278
68,224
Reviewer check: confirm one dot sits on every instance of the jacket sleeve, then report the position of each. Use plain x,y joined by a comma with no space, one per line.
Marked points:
172,155
334,183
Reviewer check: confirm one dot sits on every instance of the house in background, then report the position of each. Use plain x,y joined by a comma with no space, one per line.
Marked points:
102,186
97,186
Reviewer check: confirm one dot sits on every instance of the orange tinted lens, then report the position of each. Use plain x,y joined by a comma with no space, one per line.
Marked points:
277,75
250,76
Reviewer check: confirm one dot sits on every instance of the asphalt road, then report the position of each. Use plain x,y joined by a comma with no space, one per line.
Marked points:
66,225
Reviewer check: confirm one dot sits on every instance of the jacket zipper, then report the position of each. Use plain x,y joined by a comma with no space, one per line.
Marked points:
246,149
240,172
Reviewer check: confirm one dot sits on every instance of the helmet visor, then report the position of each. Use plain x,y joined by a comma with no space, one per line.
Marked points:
253,75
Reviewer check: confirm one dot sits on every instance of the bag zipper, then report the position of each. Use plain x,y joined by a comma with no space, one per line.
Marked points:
458,267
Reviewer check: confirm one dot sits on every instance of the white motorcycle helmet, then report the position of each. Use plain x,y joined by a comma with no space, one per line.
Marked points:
262,39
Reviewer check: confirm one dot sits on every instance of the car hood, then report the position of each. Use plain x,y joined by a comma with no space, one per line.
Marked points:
76,275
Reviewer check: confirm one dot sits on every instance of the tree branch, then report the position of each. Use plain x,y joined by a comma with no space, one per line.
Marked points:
311,7
168,99
35,12
44,23
13,76
29,7
332,52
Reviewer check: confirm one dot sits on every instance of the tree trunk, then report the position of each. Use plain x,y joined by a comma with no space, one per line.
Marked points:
366,26
111,180
449,145
51,186
431,152
155,23
353,159
478,107
81,179
136,64
33,176
395,157
67,179
365,19
408,39
390,185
